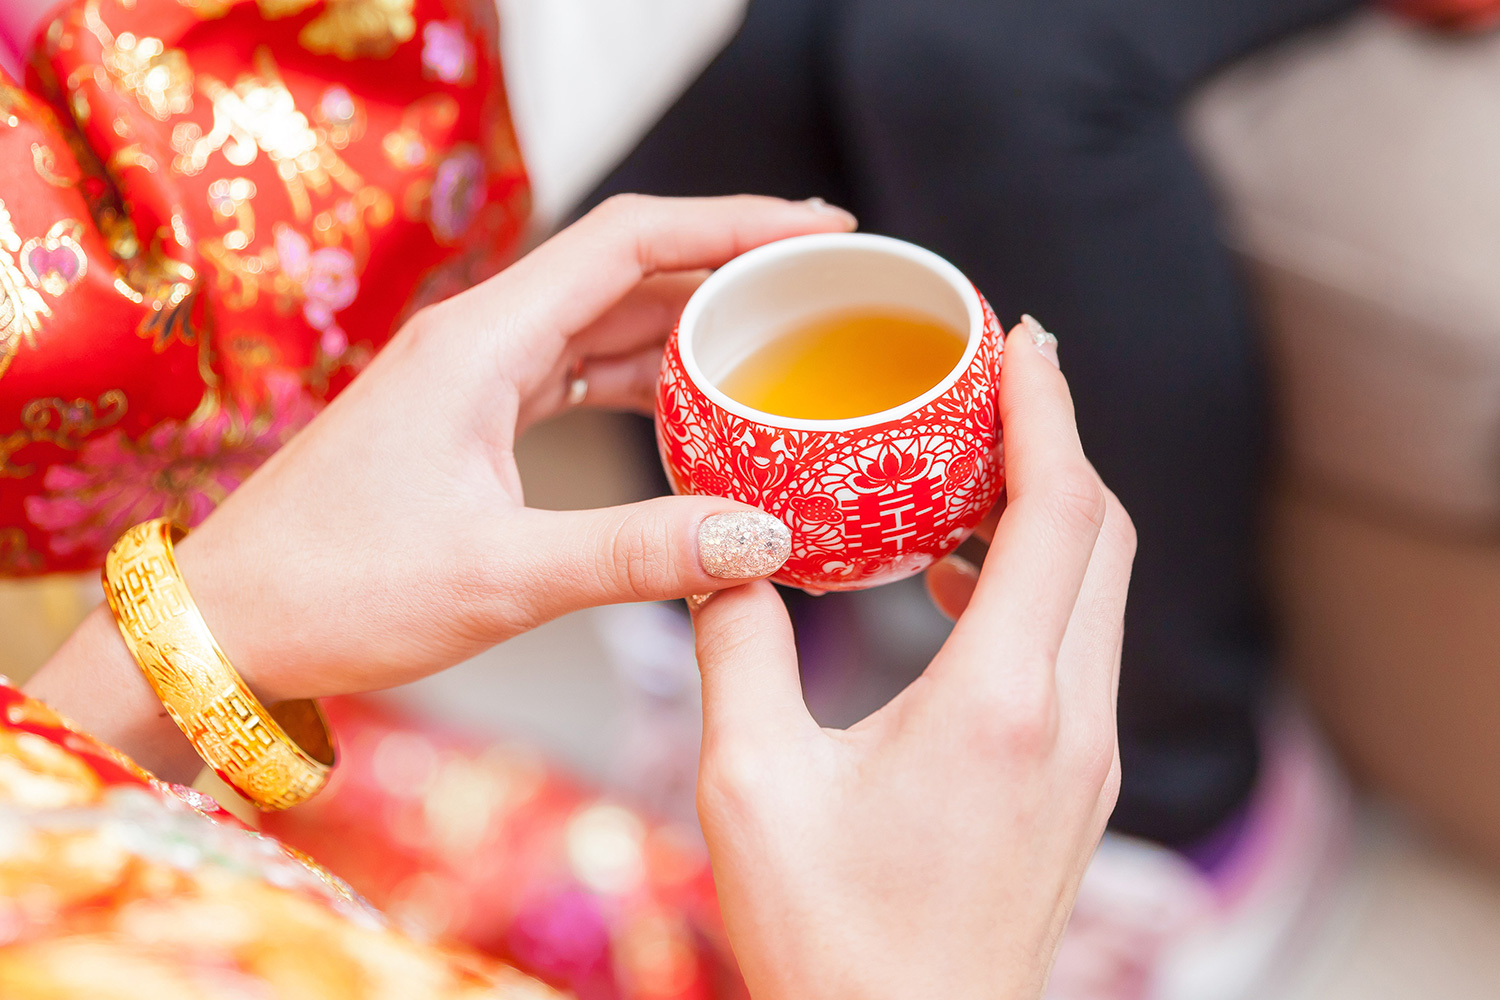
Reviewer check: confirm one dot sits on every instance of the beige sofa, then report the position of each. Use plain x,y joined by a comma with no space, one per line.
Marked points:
1360,172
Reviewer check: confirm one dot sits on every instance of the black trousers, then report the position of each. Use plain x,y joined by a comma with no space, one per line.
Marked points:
1036,144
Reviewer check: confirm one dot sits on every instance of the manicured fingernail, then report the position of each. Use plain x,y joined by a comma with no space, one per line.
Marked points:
823,208
696,601
743,545
1044,341
961,566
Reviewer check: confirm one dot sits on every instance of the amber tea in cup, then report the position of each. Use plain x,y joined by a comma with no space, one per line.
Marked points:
845,383
846,363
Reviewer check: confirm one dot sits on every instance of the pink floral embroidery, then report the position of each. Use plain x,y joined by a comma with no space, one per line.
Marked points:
446,52
327,280
178,468
457,193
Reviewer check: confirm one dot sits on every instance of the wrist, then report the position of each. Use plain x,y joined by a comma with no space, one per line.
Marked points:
95,682
233,599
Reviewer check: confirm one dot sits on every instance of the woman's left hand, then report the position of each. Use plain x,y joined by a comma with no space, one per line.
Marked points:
390,539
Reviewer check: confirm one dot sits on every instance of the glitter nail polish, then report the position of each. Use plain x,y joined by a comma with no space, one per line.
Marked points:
1045,342
743,545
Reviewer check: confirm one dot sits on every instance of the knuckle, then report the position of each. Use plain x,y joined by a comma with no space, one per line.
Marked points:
623,210
639,555
1022,723
1079,501
732,775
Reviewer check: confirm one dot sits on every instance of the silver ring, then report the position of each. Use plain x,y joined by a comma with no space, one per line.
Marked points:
578,390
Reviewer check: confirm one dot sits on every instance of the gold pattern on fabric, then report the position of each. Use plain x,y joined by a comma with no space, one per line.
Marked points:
44,162
16,554
168,288
55,262
64,423
22,308
258,114
158,78
354,29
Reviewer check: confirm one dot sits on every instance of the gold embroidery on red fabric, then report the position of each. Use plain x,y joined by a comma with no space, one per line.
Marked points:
44,162
259,114
61,422
55,262
132,156
16,555
354,29
406,147
167,288
56,420
22,307
9,445
273,9
66,423
159,78
230,199
341,115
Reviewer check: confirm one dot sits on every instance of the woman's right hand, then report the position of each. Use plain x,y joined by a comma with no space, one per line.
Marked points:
934,849
390,538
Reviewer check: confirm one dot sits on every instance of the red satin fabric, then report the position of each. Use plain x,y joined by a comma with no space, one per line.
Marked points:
215,211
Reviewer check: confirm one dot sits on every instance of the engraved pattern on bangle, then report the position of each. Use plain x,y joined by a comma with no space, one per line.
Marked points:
233,733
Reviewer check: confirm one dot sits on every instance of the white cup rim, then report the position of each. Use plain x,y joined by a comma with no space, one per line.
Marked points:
797,245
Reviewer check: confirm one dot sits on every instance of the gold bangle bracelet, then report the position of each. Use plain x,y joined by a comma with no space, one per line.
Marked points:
246,744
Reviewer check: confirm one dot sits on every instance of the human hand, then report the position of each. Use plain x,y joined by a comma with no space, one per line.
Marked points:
390,538
934,849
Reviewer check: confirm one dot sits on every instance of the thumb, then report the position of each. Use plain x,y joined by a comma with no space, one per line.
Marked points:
652,551
752,692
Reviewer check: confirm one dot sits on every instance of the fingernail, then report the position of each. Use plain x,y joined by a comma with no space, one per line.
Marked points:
962,566
696,601
823,208
1044,341
743,545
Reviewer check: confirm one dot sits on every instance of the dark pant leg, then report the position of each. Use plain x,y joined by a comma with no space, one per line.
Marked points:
1035,143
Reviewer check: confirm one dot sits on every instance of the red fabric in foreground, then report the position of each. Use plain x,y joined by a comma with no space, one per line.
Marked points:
484,844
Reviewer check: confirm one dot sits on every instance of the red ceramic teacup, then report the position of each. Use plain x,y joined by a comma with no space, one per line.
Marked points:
870,499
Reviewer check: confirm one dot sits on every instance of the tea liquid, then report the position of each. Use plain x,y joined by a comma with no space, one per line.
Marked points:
846,364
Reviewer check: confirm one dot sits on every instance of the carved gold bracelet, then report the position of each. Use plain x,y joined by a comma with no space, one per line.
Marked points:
246,744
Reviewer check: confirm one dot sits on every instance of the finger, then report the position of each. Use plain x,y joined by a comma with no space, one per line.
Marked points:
620,383
644,316
985,530
619,354
1088,663
950,584
608,252
951,581
627,383
752,694
1045,538
658,550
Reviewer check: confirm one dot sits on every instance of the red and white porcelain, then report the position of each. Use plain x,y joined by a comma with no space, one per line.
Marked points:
871,499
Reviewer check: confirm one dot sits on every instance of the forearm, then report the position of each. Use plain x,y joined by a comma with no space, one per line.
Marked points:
94,681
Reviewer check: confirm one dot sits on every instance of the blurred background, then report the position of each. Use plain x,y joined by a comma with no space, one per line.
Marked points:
1346,159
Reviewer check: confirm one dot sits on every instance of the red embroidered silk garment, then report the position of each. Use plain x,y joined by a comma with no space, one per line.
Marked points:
212,213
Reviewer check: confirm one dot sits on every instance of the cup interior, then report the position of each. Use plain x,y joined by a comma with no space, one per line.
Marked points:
765,292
